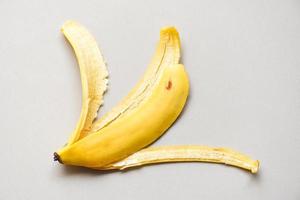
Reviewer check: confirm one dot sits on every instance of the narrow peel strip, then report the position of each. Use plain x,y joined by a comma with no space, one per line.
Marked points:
93,74
191,153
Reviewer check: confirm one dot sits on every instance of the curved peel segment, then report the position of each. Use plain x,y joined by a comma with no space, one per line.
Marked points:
93,74
167,53
167,154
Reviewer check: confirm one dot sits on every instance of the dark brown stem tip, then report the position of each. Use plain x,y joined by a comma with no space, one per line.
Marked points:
56,157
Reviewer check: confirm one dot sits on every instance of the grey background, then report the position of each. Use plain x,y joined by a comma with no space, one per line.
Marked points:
243,61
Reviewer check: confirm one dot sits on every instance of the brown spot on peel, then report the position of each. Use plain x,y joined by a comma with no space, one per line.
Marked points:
169,86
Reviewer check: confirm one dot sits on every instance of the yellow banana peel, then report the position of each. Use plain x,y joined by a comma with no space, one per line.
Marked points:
187,153
93,76
118,139
167,53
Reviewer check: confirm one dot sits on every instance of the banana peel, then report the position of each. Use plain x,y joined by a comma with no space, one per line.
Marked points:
93,76
188,153
119,139
167,53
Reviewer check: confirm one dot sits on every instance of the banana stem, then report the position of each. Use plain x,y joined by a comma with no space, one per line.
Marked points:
165,154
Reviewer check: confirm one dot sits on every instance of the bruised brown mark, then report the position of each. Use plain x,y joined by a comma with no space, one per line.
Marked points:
169,86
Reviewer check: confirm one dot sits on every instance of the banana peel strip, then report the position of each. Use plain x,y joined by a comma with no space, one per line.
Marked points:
167,54
191,153
93,76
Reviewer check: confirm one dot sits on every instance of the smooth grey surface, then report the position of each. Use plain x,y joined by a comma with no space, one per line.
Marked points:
244,66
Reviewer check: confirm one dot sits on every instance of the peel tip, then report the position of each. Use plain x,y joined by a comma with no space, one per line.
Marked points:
255,167
68,23
169,31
